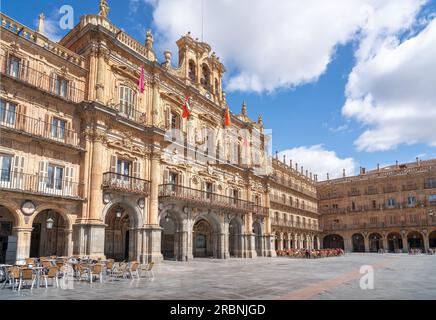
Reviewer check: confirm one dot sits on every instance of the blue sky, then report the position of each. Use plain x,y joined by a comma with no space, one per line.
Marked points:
305,96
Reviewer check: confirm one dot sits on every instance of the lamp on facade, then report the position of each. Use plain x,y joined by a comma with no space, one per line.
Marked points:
119,212
167,218
49,223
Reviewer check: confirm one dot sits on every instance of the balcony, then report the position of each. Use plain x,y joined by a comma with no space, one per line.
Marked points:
125,184
390,189
129,112
353,193
14,121
207,199
39,185
261,211
371,191
42,81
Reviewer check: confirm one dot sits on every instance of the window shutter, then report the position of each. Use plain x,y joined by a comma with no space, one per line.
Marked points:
18,171
47,125
182,179
43,169
137,169
113,168
53,79
68,183
69,133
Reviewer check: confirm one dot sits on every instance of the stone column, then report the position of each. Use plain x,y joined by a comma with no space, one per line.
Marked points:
152,250
101,74
288,242
348,244
426,241
249,237
68,250
23,242
405,243
366,240
385,242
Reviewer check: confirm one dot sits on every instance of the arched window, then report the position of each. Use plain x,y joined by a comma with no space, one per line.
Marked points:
191,73
205,76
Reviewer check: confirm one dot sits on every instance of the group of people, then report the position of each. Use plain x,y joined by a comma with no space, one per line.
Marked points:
311,253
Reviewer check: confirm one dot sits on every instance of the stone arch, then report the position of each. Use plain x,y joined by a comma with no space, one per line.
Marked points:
395,242
316,242
134,209
206,231
62,211
8,221
121,232
375,242
258,236
333,241
51,240
415,240
171,223
236,229
15,212
358,242
432,239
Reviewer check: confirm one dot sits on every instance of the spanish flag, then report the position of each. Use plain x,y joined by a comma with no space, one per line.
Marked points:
186,109
227,121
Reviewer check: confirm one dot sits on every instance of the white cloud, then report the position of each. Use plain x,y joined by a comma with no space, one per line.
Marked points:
320,161
283,43
393,93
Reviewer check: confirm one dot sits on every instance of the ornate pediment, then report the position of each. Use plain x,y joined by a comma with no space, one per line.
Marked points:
126,143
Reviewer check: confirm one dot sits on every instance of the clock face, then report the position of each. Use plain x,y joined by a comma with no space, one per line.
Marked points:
28,207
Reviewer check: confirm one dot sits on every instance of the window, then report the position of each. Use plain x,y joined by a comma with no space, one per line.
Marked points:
127,101
123,167
374,204
14,67
373,220
209,189
5,167
411,201
432,199
55,177
353,206
393,220
391,202
7,113
58,128
61,87
174,120
413,218
335,206
284,198
430,183
173,178
291,201
235,195
303,205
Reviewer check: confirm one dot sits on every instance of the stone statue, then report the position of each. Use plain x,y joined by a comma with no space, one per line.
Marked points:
104,8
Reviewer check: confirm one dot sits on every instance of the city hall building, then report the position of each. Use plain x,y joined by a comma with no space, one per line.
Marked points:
107,152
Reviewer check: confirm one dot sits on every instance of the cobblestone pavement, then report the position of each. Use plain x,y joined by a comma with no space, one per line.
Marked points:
395,277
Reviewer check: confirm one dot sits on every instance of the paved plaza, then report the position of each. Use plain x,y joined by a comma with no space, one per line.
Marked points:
395,277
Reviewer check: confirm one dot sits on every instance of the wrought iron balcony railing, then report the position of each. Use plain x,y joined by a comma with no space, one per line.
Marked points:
39,184
10,120
259,210
64,89
207,198
127,184
130,112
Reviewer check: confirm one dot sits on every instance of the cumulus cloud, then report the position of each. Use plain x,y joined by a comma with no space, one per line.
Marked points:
320,161
269,45
393,93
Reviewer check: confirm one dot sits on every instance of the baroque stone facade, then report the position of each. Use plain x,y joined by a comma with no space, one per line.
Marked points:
93,165
389,209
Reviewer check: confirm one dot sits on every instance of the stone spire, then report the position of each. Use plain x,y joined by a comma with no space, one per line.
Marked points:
149,40
41,19
260,120
244,109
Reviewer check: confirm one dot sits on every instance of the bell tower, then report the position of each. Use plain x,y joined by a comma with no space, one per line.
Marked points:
201,68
